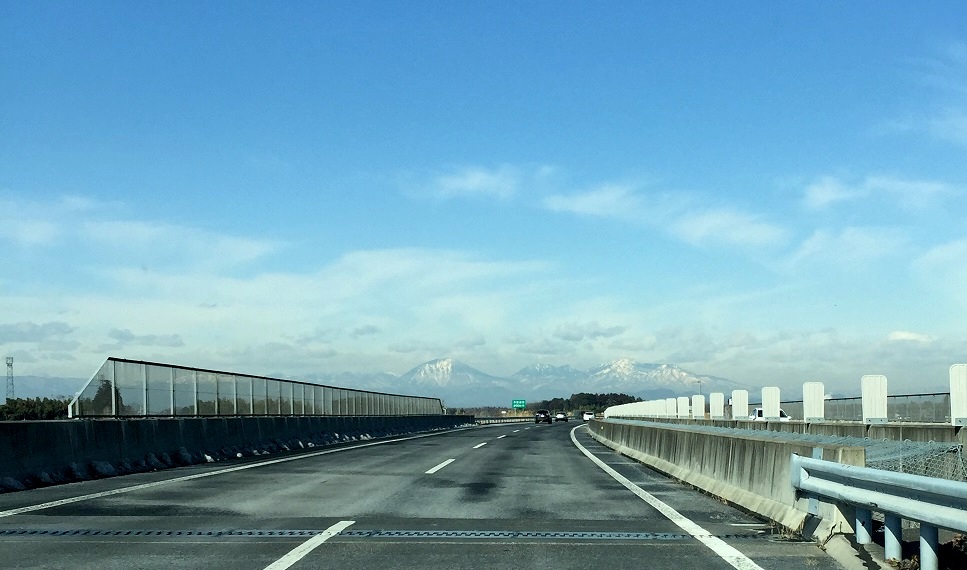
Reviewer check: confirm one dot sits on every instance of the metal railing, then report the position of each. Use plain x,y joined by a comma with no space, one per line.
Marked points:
934,503
916,408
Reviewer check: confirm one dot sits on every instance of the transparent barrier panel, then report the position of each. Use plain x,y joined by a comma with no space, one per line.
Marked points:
320,400
226,394
160,390
243,395
207,394
129,381
259,405
127,388
339,405
184,385
286,400
274,398
299,399
310,400
923,408
97,398
794,410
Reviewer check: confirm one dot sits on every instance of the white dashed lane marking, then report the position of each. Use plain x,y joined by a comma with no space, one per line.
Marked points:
440,466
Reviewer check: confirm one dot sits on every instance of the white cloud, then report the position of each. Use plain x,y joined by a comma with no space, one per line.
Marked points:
828,190
33,332
607,201
728,227
907,336
943,268
574,332
945,117
154,244
850,246
501,182
124,337
29,223
671,213
949,125
908,194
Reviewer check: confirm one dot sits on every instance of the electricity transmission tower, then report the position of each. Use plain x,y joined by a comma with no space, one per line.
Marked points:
10,378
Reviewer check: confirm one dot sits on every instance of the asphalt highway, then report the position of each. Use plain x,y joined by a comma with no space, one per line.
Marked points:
502,496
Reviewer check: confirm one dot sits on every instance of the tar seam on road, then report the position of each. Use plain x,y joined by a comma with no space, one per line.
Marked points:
440,466
70,500
479,445
721,548
300,552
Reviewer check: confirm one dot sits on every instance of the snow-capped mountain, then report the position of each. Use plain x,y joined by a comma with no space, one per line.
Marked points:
548,379
462,385
444,372
456,383
652,380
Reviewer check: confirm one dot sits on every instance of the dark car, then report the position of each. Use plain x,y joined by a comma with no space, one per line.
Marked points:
542,416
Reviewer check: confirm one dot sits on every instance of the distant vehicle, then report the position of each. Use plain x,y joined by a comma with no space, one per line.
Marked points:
757,416
542,416
560,417
587,416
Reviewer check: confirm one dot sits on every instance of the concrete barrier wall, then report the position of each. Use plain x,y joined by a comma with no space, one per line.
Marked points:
37,453
897,431
749,471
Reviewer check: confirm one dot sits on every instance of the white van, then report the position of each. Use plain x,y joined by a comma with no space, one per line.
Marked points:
756,415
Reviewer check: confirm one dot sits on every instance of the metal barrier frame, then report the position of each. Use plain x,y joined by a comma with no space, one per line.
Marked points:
153,389
934,503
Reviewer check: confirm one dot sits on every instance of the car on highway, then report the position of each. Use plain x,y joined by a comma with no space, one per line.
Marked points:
757,416
587,416
542,416
560,417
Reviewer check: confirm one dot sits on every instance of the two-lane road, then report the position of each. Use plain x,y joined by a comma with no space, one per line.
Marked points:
503,496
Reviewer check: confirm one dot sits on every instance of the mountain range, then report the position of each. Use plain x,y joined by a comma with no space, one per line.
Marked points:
461,385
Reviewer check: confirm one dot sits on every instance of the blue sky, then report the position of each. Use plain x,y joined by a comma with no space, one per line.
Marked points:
769,192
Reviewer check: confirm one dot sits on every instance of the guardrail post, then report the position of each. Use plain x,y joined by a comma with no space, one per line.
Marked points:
928,547
864,524
893,537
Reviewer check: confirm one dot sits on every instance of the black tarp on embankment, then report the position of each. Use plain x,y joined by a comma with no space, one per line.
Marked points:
35,453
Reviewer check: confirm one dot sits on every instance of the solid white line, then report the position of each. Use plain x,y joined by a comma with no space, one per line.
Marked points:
724,550
70,500
479,445
440,466
299,552
501,436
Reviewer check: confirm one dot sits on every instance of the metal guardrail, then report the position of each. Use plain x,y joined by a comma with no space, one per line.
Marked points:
934,503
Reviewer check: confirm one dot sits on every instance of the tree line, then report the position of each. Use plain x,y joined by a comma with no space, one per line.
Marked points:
575,403
34,409
583,401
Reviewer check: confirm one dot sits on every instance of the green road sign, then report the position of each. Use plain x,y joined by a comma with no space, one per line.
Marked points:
519,404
